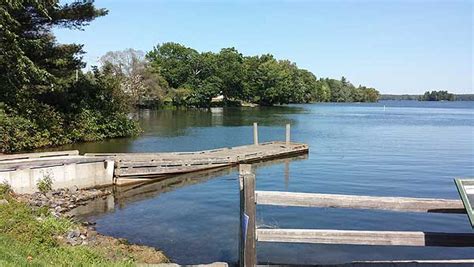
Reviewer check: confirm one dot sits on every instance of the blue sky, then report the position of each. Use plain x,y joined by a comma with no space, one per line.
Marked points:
394,46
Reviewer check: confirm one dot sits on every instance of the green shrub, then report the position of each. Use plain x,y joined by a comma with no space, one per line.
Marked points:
5,189
92,109
45,184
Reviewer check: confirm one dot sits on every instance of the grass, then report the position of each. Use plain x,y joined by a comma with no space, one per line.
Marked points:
29,237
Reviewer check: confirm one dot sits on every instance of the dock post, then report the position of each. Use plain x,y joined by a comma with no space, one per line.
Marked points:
255,133
247,237
288,138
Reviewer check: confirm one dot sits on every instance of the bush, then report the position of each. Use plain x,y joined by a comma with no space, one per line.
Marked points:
18,133
46,184
92,109
5,189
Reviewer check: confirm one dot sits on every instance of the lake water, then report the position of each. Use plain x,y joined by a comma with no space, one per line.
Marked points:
409,149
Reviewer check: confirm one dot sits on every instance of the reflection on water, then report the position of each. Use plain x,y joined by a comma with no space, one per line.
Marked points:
127,194
163,127
171,123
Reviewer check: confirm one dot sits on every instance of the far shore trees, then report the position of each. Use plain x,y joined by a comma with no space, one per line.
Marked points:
437,96
195,78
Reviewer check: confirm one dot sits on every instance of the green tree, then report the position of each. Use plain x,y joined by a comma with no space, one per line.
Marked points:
32,62
230,69
41,102
176,63
437,96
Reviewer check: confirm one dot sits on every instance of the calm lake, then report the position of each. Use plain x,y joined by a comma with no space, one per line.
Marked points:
408,148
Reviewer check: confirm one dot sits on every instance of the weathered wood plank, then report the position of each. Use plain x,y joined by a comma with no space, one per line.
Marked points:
169,162
44,163
466,192
247,244
8,157
136,164
380,238
405,263
359,202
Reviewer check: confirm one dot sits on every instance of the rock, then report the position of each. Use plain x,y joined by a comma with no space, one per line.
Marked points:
91,234
86,223
49,194
73,234
73,189
3,202
83,237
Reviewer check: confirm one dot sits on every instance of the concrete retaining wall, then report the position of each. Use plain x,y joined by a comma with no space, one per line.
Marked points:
82,175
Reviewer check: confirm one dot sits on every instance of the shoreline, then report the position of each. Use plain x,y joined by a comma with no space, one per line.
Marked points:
55,207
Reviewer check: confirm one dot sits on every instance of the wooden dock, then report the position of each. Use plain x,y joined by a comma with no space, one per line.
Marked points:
143,165
130,167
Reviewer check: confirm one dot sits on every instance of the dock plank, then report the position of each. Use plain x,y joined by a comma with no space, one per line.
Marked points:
359,202
147,164
374,238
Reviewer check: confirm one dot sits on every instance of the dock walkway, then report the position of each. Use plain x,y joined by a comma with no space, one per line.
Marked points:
129,165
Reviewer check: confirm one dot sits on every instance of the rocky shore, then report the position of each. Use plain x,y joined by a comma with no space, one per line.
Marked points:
60,202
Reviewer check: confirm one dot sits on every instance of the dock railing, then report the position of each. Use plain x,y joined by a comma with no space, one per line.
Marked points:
250,233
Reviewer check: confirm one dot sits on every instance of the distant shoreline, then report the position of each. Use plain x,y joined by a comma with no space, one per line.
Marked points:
457,97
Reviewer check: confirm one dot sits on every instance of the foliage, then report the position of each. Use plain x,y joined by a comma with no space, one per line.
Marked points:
399,97
437,96
45,184
5,189
195,78
41,102
456,97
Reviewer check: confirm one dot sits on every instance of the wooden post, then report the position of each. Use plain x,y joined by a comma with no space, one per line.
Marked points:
247,244
287,174
255,133
287,134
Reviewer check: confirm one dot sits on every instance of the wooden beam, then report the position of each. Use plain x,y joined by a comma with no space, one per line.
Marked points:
247,244
407,263
465,189
8,157
359,202
379,238
44,162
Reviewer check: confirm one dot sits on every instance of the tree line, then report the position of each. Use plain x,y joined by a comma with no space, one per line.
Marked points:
173,74
430,96
437,96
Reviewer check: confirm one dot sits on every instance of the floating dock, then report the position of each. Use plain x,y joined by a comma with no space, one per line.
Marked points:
146,165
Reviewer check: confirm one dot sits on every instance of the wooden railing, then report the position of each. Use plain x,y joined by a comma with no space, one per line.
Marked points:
250,234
